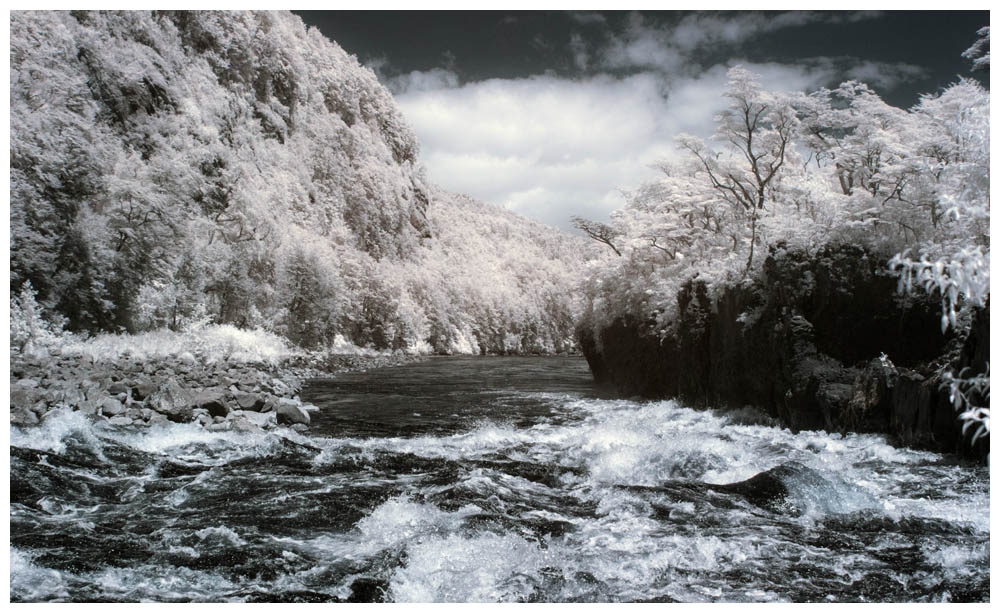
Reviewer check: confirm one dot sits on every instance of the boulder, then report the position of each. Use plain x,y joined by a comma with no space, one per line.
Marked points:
117,387
143,390
156,419
120,420
22,396
213,399
240,423
262,420
249,402
22,416
87,407
290,413
111,407
174,402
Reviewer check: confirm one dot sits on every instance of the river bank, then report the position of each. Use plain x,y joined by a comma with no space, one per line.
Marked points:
219,390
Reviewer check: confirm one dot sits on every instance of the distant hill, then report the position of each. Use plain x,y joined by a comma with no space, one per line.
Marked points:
234,167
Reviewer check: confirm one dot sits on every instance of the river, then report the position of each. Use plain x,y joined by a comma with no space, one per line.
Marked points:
490,479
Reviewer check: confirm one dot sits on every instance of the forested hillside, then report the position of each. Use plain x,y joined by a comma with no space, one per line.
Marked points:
804,171
176,168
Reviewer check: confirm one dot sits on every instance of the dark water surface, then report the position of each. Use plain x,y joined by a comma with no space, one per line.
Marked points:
490,479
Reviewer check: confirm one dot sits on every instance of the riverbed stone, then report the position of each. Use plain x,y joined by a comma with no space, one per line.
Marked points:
249,402
174,402
22,416
112,406
120,420
289,413
143,390
117,387
157,419
262,420
240,423
213,400
22,396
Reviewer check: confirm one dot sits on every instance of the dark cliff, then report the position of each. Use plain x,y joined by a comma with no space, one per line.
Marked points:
819,341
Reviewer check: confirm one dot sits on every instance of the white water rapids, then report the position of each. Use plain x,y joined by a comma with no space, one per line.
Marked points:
536,496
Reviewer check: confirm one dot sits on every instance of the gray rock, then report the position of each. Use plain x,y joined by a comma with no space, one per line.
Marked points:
157,418
213,400
241,423
87,407
204,420
289,413
270,404
299,427
223,426
22,416
262,420
174,402
249,402
22,396
143,390
117,387
279,386
120,420
112,406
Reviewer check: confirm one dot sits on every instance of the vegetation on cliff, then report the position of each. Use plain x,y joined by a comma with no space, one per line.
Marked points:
176,169
807,173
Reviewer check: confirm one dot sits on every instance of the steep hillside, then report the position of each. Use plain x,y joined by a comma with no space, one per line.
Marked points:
169,168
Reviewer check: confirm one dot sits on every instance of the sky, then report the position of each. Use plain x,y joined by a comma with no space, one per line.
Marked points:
558,113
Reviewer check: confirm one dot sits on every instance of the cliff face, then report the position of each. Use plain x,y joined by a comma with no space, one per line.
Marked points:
804,342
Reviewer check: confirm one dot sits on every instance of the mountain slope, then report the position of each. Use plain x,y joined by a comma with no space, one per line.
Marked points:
171,167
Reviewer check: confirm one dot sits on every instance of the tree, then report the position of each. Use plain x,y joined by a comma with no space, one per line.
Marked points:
600,232
979,52
757,130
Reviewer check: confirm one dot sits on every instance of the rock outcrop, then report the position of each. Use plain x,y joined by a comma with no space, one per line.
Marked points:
819,341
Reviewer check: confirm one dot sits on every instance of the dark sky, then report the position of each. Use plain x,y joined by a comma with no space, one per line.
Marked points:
479,45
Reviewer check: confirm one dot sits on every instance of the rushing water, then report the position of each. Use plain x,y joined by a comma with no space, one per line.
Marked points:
490,479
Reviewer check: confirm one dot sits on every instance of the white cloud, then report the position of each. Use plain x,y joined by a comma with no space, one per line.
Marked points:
669,48
550,148
884,75
419,81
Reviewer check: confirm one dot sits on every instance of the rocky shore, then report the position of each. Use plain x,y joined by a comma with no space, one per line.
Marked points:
189,388
820,341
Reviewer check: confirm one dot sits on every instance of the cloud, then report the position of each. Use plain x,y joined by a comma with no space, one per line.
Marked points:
551,147
588,18
420,81
884,75
581,56
671,48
